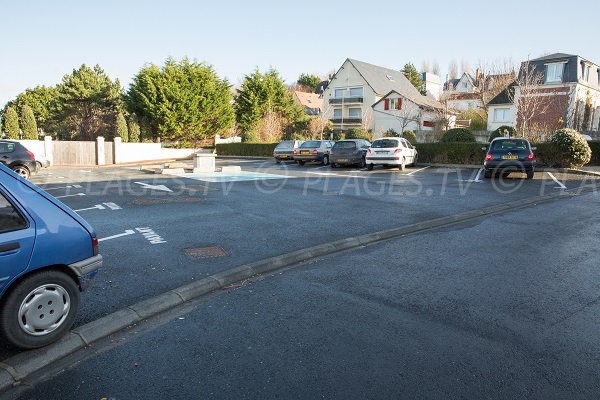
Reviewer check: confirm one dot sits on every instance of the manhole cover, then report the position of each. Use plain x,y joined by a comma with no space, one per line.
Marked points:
205,252
150,201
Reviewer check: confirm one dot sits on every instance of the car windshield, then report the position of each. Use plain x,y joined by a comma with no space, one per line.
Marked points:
384,143
311,144
344,145
515,144
285,145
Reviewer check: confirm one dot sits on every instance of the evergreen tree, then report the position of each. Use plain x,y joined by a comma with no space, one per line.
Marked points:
411,73
11,123
309,81
133,127
260,96
121,127
28,124
181,101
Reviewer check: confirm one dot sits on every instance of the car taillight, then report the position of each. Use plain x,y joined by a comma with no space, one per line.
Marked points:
295,151
488,156
30,154
95,246
397,151
369,151
530,157
314,152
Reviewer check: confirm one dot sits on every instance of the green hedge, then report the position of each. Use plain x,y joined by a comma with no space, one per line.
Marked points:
246,149
451,153
549,155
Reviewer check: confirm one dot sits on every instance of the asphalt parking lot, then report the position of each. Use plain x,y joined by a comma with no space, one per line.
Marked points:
502,307
159,232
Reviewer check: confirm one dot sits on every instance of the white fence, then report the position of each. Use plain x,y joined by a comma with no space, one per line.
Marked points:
101,152
235,139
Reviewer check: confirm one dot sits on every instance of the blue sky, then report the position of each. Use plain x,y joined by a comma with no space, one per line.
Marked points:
44,40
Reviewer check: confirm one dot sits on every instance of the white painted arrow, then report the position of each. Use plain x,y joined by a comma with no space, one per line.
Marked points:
63,187
154,187
126,233
70,195
96,207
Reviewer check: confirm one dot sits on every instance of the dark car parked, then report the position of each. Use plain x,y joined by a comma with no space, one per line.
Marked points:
349,152
313,150
506,155
48,254
16,157
284,151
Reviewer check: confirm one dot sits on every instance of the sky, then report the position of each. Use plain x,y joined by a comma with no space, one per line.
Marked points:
42,40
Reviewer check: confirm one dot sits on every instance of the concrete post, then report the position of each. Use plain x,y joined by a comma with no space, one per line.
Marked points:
100,157
204,162
49,149
117,150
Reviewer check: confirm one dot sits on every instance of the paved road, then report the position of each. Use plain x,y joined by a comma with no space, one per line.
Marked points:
251,220
503,307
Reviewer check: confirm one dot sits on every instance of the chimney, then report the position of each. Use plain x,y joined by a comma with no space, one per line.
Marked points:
477,74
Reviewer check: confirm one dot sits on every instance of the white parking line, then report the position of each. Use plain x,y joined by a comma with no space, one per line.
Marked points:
112,206
96,207
414,172
336,175
126,233
70,195
560,184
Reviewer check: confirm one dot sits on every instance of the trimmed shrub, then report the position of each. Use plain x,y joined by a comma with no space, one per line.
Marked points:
458,135
595,147
391,133
501,131
410,136
450,153
246,149
478,118
358,134
573,149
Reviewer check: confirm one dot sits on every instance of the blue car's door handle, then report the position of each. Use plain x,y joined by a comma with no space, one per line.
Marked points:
5,248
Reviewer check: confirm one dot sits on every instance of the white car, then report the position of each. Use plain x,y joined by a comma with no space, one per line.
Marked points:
392,151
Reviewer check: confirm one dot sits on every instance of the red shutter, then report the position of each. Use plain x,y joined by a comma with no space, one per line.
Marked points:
399,104
386,104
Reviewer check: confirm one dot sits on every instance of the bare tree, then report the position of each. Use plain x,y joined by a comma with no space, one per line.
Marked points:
465,66
530,101
492,78
425,67
453,70
367,119
435,68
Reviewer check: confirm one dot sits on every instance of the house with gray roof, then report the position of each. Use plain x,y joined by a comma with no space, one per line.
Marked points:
363,95
567,87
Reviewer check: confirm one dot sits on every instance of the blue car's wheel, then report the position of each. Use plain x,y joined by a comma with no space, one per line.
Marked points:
39,309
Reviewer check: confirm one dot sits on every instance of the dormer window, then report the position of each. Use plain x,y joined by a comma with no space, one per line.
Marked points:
554,73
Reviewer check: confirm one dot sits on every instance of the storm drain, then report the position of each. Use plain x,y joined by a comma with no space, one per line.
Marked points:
151,201
205,252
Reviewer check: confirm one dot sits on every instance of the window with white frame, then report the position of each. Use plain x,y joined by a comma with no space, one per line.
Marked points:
356,92
340,93
337,113
554,73
585,71
355,112
501,115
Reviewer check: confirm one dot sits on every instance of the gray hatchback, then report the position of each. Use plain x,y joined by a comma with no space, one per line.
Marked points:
349,152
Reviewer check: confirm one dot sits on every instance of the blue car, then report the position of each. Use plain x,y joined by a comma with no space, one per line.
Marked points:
48,254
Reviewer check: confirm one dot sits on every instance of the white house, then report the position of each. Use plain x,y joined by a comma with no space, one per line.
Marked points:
353,100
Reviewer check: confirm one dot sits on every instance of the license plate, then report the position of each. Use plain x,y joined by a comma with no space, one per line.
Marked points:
305,152
381,152
283,156
342,160
510,157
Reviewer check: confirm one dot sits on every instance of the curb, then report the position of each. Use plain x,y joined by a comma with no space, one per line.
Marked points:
20,366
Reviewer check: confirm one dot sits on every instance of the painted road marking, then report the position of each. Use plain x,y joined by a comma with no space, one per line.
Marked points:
560,185
336,175
126,233
414,172
154,187
476,178
70,195
64,187
102,206
151,236
236,176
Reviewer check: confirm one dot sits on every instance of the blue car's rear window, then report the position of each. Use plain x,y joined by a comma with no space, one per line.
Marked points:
10,218
513,144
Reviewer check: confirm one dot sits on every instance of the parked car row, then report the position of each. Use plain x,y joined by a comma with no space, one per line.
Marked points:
388,151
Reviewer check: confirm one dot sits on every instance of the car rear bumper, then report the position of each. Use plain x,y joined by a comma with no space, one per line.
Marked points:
86,270
284,156
508,165
308,157
342,159
384,160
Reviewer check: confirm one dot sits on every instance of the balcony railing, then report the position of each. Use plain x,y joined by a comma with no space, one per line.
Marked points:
348,121
346,100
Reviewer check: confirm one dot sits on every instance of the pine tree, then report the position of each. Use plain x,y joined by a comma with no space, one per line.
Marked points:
28,124
121,126
11,123
411,73
134,129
